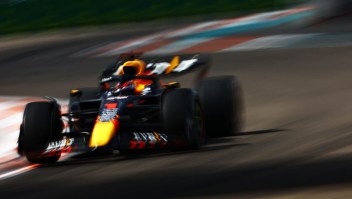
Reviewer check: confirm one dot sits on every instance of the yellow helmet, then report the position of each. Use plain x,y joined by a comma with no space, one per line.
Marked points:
135,67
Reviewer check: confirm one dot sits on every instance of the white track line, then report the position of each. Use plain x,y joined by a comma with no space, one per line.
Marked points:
276,41
11,120
18,171
10,104
8,136
24,169
8,143
179,45
192,29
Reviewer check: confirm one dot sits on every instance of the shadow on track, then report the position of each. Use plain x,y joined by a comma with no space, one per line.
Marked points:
209,181
260,132
191,177
105,158
213,144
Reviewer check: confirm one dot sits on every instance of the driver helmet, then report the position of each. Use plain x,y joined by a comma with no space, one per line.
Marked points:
135,67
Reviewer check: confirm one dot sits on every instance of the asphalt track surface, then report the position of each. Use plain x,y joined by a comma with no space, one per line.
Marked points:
296,142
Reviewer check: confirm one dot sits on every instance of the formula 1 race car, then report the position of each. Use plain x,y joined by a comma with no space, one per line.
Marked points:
132,110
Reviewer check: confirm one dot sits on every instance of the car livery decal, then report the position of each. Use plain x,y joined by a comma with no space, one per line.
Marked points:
142,140
64,145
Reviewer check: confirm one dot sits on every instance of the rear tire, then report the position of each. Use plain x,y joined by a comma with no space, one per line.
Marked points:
41,124
182,116
221,99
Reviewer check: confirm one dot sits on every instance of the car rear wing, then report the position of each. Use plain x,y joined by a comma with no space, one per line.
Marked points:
177,65
165,66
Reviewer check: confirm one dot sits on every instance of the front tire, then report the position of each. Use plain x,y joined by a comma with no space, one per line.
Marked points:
41,124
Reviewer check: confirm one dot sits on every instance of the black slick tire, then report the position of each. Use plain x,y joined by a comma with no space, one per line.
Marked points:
182,116
41,124
221,99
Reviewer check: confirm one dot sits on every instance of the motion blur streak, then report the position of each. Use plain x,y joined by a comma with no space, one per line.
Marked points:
18,171
296,141
182,40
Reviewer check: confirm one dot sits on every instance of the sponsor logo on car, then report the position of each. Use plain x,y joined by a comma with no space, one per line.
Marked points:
117,97
142,140
61,145
108,114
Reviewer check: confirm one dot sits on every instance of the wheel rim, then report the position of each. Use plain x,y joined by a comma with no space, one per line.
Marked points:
195,128
200,124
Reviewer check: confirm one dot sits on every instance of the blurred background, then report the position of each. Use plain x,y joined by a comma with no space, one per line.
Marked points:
292,58
34,15
31,15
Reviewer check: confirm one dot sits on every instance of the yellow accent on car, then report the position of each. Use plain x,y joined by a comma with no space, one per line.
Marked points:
173,64
74,91
137,64
171,83
102,133
139,88
156,136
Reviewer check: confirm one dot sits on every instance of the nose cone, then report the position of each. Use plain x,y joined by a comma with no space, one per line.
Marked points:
103,132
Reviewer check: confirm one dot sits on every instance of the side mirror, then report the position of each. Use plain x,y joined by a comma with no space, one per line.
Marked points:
75,93
173,85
